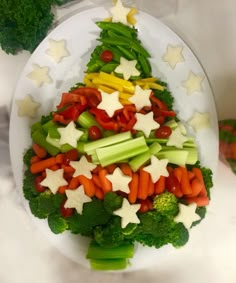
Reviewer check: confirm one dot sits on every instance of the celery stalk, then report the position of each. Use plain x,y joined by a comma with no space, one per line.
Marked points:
87,120
124,150
108,264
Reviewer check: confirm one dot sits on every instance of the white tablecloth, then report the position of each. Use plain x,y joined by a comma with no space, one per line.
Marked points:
209,28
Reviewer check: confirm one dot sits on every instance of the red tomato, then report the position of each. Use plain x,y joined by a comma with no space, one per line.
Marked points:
146,205
94,133
66,212
38,187
163,132
106,56
173,186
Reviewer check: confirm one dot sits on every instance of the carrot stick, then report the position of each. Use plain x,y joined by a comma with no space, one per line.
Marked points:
198,174
60,158
74,183
42,165
88,184
106,184
126,170
178,173
39,150
62,189
197,187
110,168
191,175
99,193
96,180
143,184
200,201
133,187
34,159
68,169
185,184
159,186
54,167
151,187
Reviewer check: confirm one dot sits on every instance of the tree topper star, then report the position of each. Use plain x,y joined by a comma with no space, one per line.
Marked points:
157,168
54,180
27,107
70,134
141,97
127,212
119,13
120,182
127,68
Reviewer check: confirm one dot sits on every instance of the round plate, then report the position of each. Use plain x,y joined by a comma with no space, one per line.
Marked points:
79,33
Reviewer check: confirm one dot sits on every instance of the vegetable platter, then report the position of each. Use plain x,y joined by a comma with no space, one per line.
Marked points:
113,139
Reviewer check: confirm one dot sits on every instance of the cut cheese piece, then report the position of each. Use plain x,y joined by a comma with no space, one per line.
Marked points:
119,13
176,138
200,121
193,83
173,55
141,97
110,102
157,168
83,167
128,213
57,50
70,134
27,107
54,180
187,215
120,182
40,75
127,68
145,123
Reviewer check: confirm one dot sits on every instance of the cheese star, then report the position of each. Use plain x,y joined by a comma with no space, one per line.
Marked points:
110,102
145,123
193,83
120,182
76,199
127,212
57,49
141,97
69,134
157,168
187,214
27,107
40,75
127,68
173,55
176,138
119,13
54,180
200,121
82,167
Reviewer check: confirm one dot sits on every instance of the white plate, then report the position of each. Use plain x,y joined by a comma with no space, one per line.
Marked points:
80,33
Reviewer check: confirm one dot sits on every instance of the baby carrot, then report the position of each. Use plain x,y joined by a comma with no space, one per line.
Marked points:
39,150
99,193
133,187
196,186
40,166
185,184
106,184
198,174
88,184
126,170
159,186
74,183
200,201
151,187
143,184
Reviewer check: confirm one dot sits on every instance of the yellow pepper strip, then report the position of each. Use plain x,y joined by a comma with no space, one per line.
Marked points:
125,95
88,82
156,86
110,79
130,17
124,101
106,88
115,86
148,80
91,76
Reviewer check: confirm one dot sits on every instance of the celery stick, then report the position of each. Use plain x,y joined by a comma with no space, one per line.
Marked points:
53,142
80,146
141,159
87,120
95,251
178,157
66,147
91,147
108,264
53,133
124,150
48,125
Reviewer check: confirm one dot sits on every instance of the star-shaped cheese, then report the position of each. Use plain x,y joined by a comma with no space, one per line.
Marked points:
119,13
40,75
76,199
127,68
57,49
200,121
176,138
145,123
193,83
27,107
110,102
187,214
83,167
141,97
69,134
127,212
54,180
157,168
173,55
120,182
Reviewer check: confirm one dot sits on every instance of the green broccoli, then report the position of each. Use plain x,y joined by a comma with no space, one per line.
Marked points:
166,204
28,185
112,202
57,223
27,156
41,205
165,95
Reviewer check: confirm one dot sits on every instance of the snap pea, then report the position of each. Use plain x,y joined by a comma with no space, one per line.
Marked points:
145,65
109,67
119,28
127,53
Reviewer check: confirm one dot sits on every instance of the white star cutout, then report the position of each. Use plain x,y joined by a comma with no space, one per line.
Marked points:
27,107
110,102
193,83
128,213
119,13
76,199
141,97
187,215
57,50
83,167
120,182
40,75
70,134
54,180
157,168
145,123
127,68
176,138
200,121
173,55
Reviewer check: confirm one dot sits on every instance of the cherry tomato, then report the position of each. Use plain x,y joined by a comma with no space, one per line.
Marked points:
66,212
146,205
106,56
38,187
173,186
94,133
163,132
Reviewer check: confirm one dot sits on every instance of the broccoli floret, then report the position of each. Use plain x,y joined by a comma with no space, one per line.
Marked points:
28,185
201,211
165,95
41,205
178,236
57,223
27,156
94,214
166,204
112,202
